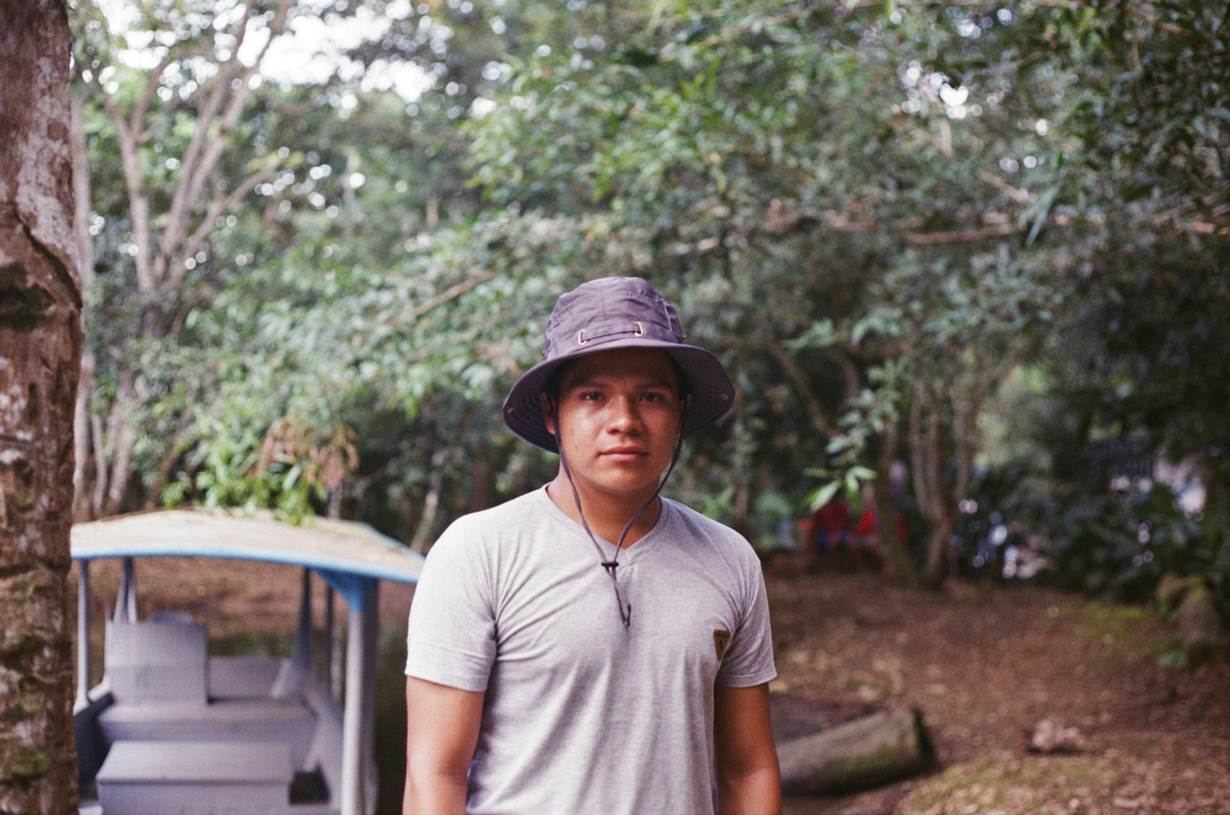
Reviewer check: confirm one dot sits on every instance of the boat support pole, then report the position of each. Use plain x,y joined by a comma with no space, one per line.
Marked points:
352,717
303,650
361,603
371,636
126,600
332,682
83,635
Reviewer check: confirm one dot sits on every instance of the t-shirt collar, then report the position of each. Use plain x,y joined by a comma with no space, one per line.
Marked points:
631,553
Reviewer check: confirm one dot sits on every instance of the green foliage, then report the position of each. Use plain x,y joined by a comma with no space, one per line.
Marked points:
1116,543
1120,544
852,205
849,484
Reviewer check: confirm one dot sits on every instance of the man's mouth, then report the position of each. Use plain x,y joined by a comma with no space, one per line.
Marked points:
624,453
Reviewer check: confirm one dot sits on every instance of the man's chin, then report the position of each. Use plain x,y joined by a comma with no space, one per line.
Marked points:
631,488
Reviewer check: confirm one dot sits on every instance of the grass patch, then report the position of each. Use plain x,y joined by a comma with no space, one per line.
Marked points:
1130,628
1039,785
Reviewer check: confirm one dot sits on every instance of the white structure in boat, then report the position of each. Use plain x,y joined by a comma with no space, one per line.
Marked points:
171,730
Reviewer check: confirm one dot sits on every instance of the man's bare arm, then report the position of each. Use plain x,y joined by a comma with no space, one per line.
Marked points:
441,731
749,780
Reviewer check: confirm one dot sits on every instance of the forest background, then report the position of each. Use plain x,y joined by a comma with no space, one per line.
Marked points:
974,250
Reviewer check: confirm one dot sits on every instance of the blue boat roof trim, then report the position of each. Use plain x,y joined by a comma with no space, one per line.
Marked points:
347,547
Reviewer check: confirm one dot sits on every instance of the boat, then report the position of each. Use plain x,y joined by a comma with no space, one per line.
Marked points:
174,730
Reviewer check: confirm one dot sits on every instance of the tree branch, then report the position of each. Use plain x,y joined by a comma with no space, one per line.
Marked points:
849,370
123,436
219,205
778,223
963,419
815,410
138,202
451,293
100,466
960,235
218,88
918,465
136,122
1020,196
203,154
934,428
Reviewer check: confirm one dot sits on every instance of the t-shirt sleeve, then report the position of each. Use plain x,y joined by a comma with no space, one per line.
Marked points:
450,639
749,659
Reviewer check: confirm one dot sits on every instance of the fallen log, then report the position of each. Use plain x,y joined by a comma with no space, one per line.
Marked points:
866,752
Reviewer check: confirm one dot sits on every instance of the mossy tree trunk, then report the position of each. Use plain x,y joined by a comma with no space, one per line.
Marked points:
896,549
943,437
40,356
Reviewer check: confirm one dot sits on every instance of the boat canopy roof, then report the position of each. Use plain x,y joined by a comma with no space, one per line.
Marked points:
344,547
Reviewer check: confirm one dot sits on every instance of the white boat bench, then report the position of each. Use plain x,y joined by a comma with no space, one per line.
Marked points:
242,677
195,778
157,660
258,722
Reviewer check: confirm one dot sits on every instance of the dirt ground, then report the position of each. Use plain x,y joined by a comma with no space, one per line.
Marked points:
983,664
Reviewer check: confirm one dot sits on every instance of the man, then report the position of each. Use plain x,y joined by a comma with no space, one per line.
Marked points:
591,647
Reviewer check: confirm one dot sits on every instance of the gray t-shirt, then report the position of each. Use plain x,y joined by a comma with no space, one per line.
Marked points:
581,715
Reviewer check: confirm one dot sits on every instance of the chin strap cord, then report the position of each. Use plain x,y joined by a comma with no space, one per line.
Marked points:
611,565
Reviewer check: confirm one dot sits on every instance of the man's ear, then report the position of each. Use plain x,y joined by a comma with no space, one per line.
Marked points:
547,413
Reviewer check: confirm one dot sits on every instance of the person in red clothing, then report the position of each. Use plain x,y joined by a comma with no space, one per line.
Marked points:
825,531
866,539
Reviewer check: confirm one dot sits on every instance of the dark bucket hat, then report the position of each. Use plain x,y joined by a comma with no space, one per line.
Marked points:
610,313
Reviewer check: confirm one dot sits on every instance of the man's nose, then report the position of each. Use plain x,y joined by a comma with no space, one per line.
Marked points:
625,414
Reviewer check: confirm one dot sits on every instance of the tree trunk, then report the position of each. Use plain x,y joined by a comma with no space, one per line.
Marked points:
85,268
896,550
939,541
123,436
431,504
926,474
40,352
480,487
863,753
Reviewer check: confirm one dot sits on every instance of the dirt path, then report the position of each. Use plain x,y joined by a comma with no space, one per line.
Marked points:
984,665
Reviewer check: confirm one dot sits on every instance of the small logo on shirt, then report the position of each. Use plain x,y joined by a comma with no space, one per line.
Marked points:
721,639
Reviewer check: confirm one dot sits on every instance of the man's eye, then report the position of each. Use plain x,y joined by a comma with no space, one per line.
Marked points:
590,396
653,397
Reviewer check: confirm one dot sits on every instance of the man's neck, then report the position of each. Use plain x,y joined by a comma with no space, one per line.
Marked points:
606,515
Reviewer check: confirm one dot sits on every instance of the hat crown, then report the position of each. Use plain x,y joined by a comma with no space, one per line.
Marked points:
610,309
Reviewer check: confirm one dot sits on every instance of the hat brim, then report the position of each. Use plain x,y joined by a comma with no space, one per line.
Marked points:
710,387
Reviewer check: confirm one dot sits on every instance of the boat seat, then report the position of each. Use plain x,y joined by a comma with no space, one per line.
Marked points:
195,778
157,660
262,721
242,677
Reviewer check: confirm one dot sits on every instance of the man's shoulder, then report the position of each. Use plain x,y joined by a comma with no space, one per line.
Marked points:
694,518
491,522
699,525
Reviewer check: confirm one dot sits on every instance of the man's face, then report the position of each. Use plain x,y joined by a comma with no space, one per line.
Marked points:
619,417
